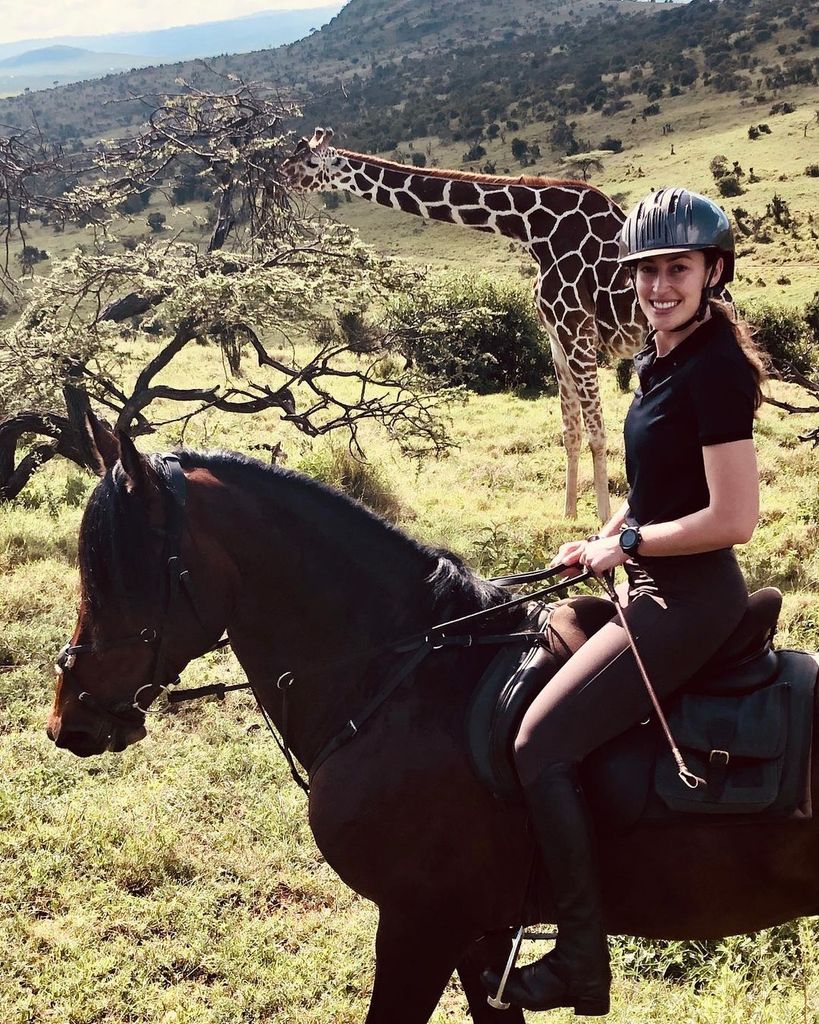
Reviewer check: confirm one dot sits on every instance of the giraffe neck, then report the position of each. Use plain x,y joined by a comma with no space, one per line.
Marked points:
504,206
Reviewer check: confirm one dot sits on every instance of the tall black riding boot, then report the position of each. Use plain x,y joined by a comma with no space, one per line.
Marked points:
576,973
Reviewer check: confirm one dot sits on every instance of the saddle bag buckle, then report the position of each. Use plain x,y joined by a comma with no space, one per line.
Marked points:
720,758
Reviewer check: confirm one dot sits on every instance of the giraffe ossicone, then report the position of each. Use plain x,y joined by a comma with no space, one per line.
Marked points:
584,298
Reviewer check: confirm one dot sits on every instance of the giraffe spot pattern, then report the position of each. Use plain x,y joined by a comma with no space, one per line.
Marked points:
441,212
512,225
584,299
408,204
498,200
429,190
463,193
474,217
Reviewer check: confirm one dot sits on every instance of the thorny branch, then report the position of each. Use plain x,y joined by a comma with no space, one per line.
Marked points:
792,375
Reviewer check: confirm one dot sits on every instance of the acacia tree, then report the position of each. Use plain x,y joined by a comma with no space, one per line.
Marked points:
264,273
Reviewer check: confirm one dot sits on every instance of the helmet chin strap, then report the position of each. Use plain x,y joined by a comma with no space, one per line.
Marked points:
702,309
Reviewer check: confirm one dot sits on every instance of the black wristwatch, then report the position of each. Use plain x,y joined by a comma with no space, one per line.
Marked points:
630,540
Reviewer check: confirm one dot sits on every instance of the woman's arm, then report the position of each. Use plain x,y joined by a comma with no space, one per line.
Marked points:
730,518
732,513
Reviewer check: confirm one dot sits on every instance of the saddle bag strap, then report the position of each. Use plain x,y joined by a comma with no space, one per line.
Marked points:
722,733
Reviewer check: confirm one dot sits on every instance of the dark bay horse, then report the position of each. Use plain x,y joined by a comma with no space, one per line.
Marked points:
306,581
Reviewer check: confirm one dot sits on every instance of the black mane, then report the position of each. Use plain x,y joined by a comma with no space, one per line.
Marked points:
118,572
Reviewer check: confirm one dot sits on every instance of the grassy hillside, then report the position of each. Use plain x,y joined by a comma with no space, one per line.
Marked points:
178,882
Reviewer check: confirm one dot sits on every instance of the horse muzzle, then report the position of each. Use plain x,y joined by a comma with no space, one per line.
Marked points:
87,742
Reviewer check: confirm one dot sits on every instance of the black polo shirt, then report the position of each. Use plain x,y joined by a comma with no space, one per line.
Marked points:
701,393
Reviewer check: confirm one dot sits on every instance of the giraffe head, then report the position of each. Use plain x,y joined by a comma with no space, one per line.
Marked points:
313,164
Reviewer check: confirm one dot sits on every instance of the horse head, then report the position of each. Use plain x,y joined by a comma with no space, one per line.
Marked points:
151,599
313,163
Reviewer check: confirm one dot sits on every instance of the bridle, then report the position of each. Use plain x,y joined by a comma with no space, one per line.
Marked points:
131,711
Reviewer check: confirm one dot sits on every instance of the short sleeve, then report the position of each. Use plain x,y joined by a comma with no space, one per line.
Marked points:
723,392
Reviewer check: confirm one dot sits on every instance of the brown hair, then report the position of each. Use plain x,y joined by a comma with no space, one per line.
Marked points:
757,357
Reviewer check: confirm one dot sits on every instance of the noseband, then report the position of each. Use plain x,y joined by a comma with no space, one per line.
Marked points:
132,711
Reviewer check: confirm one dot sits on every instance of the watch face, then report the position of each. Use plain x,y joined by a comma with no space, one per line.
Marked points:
629,539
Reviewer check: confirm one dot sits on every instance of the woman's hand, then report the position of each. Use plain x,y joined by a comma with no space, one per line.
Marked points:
602,554
569,555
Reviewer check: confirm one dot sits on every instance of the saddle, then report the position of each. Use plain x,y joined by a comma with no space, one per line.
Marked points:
743,724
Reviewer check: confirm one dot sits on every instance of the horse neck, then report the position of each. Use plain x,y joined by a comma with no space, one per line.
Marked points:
323,585
526,209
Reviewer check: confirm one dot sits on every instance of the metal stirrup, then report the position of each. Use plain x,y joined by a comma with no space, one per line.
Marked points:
497,1001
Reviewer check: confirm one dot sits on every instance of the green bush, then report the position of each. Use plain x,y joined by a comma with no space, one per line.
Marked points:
784,334
729,186
365,481
812,318
475,333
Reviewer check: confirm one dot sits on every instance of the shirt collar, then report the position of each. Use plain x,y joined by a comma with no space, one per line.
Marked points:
647,360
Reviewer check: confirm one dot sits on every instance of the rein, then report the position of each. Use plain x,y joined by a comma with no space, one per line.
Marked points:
417,646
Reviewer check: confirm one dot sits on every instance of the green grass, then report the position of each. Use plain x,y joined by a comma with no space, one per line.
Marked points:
178,882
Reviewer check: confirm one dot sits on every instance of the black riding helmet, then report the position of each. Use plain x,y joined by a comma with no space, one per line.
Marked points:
676,220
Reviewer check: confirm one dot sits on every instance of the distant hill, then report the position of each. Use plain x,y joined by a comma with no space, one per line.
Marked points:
92,55
52,65
387,72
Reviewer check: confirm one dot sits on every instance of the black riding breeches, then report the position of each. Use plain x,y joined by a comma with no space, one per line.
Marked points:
680,610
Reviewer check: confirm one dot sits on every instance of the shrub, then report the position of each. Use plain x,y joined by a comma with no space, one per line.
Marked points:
719,167
729,186
475,153
362,480
623,372
812,170
812,318
156,221
784,334
615,145
502,345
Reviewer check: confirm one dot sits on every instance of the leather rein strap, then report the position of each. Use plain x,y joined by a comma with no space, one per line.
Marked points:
418,647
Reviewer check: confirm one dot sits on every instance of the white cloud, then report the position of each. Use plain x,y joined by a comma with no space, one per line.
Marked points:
49,18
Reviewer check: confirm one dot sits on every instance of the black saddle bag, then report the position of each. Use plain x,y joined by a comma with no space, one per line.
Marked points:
750,749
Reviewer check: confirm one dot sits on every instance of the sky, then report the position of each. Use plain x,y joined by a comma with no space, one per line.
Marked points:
47,18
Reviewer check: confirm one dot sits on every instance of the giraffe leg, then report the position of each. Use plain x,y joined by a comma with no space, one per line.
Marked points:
571,415
588,389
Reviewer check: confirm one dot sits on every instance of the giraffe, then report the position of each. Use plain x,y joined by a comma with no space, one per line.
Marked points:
584,298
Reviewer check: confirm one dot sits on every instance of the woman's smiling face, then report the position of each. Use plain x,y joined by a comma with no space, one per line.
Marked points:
669,287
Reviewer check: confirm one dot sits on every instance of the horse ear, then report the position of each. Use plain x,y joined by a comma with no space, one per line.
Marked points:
133,463
103,445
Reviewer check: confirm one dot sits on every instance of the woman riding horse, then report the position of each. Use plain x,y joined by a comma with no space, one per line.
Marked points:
693,494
